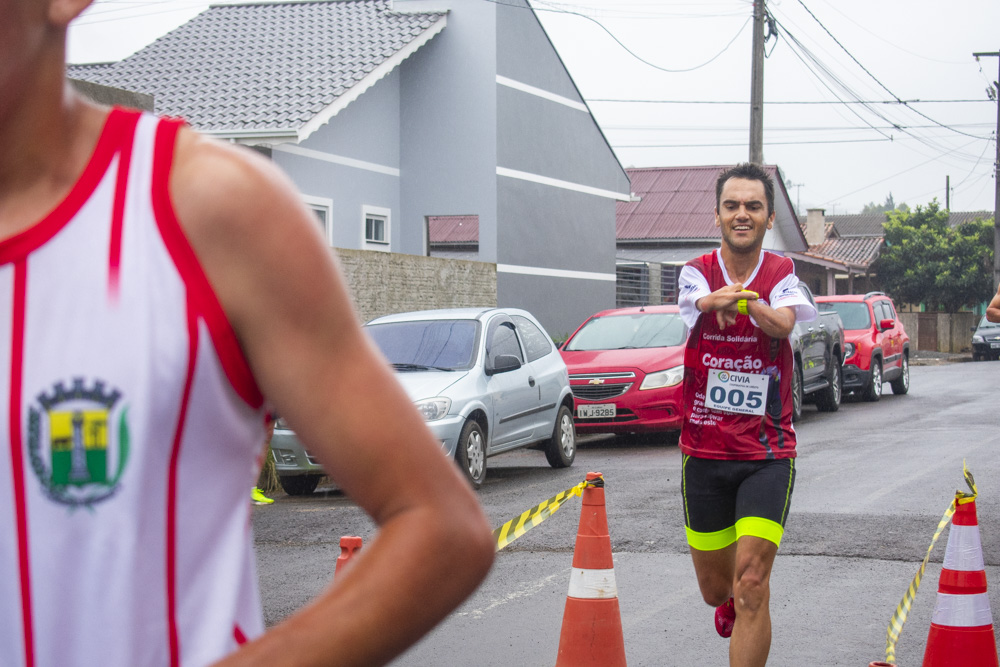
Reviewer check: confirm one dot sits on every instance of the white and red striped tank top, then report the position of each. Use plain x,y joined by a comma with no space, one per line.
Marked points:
130,430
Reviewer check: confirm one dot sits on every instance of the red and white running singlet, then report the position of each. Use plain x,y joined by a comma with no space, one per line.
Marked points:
737,381
130,430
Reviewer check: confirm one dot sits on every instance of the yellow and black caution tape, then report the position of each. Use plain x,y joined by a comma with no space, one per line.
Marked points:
903,610
528,519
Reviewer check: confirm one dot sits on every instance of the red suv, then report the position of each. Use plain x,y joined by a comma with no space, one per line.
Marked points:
877,348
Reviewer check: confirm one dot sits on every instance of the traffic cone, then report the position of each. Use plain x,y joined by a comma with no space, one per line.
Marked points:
348,545
961,631
592,625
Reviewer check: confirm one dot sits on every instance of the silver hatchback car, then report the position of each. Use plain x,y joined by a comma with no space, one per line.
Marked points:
487,380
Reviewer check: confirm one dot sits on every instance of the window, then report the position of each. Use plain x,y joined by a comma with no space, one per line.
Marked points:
376,234
322,208
375,229
536,343
502,340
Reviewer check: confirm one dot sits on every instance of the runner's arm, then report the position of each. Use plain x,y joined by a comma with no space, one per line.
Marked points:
280,287
993,310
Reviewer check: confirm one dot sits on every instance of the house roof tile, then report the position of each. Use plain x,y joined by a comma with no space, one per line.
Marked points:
675,203
263,66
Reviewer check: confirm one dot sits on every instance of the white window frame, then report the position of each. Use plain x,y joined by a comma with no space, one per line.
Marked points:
324,204
379,212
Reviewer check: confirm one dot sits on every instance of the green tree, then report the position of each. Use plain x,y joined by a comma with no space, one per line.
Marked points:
871,208
924,260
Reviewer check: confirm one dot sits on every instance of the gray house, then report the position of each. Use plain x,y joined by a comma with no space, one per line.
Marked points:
389,113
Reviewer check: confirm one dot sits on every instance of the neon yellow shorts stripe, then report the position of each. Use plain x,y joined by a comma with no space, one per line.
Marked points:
758,527
720,539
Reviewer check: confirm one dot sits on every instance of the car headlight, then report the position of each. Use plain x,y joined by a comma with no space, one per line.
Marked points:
434,408
667,378
978,339
848,350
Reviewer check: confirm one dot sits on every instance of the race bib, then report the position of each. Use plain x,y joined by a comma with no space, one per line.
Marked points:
740,393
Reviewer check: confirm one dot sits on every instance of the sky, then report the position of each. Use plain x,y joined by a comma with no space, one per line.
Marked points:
669,83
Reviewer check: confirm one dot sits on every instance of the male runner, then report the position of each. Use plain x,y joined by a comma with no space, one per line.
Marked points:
161,292
737,439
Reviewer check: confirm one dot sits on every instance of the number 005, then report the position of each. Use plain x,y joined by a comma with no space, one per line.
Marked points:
736,397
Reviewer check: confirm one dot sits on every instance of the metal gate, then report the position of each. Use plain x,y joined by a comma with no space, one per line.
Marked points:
927,331
645,284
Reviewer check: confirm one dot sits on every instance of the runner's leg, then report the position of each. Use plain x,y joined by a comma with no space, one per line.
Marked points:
751,640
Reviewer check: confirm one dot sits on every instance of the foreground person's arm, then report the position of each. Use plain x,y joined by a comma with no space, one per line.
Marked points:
280,288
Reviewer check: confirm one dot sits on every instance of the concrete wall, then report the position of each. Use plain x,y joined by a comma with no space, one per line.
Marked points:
384,283
448,123
555,242
953,330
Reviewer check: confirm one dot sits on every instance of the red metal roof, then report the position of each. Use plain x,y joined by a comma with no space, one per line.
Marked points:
675,203
453,228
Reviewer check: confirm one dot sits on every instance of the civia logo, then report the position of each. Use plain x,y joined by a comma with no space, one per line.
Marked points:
78,442
723,376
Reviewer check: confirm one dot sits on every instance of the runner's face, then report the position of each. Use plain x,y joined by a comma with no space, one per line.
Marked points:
742,215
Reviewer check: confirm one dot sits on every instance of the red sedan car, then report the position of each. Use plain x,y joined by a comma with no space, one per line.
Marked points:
625,370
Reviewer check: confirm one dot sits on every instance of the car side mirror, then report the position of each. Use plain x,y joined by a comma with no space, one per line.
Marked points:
504,363
886,324
972,329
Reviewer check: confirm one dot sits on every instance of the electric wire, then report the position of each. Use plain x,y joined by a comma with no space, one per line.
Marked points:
622,44
884,87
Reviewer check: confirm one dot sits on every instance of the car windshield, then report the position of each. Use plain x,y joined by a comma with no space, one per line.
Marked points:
854,314
986,324
623,332
444,345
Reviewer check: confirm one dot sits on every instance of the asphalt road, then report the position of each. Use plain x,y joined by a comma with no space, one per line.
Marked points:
873,481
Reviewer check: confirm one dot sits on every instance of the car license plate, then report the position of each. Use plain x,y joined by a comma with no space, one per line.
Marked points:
995,345
600,411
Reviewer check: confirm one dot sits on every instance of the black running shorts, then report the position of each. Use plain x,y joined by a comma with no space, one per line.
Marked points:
725,500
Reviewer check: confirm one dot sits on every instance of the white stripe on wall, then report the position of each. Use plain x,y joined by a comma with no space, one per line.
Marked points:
336,159
566,185
554,273
544,94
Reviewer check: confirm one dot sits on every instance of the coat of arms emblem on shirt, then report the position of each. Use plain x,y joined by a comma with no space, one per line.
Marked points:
78,441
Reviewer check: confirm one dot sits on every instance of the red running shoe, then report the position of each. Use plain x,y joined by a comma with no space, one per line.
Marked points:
725,619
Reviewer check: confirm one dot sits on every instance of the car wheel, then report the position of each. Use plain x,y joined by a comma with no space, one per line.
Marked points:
561,449
976,356
471,453
901,385
828,400
299,485
873,391
796,393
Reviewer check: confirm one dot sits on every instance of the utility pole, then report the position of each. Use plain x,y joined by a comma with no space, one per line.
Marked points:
996,175
757,85
947,192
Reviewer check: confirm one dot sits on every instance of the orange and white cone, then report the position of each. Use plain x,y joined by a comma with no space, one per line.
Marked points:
961,631
348,546
592,625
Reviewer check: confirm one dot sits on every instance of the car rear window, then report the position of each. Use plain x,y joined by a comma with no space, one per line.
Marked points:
635,330
442,344
854,314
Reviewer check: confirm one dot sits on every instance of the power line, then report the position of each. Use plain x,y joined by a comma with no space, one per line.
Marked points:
622,44
746,102
766,143
884,87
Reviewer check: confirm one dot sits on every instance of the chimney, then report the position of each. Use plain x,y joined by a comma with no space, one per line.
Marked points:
815,226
